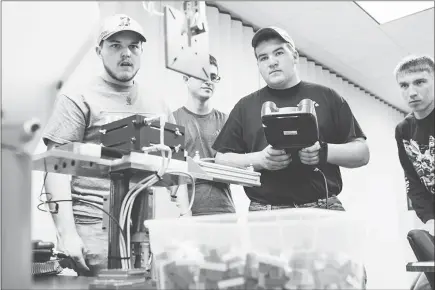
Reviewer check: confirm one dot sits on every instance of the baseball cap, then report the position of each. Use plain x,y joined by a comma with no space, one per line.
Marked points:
272,31
117,23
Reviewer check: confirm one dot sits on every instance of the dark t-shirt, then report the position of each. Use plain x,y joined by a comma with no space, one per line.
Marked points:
298,183
201,132
416,145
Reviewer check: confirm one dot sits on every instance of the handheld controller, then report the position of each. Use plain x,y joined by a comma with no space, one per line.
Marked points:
290,127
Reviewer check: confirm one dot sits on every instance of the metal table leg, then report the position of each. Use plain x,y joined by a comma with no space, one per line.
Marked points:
118,189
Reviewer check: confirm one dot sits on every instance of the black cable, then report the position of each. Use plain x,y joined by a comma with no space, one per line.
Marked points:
42,188
326,185
70,200
84,201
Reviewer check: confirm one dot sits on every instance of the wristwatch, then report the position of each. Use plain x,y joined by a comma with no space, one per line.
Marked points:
323,153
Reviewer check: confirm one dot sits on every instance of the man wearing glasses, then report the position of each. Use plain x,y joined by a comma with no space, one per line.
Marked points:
203,124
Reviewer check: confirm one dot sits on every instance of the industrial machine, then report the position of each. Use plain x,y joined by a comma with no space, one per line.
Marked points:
129,246
145,151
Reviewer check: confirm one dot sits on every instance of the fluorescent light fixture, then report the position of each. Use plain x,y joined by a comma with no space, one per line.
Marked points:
386,11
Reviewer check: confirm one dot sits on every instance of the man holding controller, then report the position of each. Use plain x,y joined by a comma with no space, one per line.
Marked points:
290,179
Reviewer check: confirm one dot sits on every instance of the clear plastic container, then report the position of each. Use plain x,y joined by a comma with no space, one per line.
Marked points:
280,249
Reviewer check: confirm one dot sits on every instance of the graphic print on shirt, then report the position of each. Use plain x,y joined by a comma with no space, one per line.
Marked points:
422,158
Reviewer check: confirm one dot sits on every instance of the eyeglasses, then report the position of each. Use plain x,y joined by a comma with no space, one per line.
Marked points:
215,78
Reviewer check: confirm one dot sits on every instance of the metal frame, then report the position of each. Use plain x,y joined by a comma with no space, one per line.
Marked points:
70,159
16,205
187,51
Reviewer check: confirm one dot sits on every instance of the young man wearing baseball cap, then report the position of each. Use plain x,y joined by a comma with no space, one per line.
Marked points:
288,179
203,123
77,117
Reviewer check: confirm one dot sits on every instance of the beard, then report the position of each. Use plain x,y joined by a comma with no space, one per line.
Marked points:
122,78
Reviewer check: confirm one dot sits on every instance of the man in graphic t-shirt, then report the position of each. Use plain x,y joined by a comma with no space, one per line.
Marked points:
289,179
415,139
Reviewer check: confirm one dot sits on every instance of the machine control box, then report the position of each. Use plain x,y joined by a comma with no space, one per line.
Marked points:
132,133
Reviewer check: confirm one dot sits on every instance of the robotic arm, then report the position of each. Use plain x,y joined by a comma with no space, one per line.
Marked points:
186,39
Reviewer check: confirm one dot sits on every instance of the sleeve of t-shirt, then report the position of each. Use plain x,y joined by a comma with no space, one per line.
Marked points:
170,118
67,122
421,198
225,117
348,128
230,139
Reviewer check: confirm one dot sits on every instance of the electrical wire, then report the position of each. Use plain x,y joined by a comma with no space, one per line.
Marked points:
104,211
130,197
49,201
128,209
192,199
159,175
326,185
125,251
56,202
83,201
42,188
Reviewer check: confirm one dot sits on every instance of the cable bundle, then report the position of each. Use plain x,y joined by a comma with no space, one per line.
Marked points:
130,197
127,204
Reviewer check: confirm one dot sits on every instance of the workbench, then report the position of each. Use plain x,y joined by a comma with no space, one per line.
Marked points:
68,282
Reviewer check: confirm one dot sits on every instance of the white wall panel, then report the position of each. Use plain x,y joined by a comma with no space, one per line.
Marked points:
302,67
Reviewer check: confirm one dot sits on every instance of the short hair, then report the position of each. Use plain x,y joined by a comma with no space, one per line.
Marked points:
213,61
413,63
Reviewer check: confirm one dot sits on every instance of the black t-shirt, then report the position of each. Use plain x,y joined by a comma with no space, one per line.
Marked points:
416,145
298,183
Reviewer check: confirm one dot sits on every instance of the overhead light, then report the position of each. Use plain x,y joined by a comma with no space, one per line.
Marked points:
386,11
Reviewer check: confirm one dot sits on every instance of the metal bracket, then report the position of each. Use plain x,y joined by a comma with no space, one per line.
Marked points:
186,40
106,207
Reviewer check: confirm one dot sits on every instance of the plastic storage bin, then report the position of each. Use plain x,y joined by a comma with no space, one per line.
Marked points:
281,249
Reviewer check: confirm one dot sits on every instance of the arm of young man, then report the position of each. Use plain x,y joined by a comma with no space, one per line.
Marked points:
422,200
352,154
351,150
66,125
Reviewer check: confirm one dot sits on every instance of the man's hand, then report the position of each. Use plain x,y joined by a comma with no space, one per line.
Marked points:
274,159
310,155
72,245
429,227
